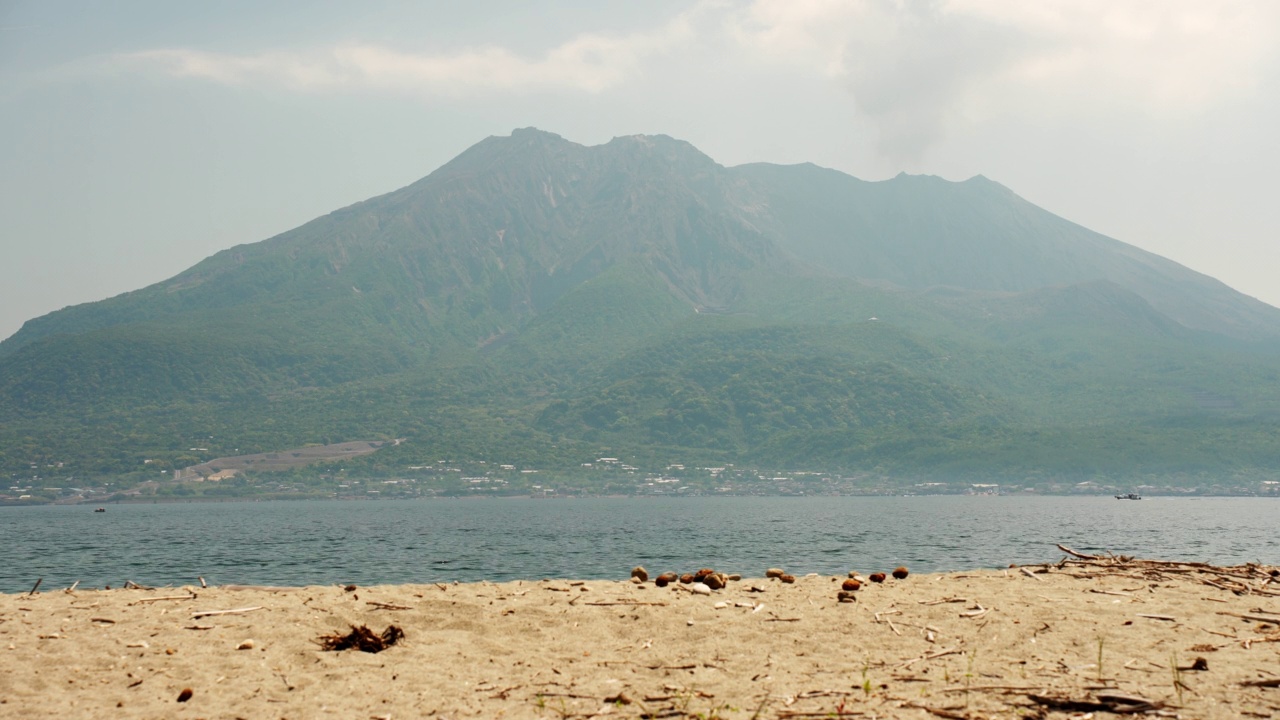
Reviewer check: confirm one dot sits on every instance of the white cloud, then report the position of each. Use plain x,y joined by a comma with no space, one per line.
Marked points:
588,62
916,67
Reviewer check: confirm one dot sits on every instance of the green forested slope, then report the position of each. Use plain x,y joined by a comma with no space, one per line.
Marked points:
550,303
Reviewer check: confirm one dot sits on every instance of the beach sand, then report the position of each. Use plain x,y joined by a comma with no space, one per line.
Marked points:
991,643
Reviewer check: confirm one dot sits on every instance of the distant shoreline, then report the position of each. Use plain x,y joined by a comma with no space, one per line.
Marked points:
579,496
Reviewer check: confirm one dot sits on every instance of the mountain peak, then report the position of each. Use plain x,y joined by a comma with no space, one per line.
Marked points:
534,134
922,178
532,131
664,150
648,140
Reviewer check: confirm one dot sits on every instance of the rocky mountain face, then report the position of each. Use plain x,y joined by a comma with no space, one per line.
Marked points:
540,293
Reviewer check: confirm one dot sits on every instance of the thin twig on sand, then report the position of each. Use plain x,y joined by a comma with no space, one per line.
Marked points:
211,613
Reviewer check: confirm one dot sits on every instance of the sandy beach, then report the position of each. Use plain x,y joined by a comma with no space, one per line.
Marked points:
1059,640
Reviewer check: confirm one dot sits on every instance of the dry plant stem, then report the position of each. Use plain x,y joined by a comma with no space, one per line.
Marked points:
1255,618
1110,592
139,601
237,611
1104,703
35,587
892,627
823,714
991,688
929,656
822,693
937,711
388,606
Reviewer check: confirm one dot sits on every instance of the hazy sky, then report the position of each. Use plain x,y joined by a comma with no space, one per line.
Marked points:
140,136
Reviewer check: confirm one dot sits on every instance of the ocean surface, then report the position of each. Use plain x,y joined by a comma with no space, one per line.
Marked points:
441,540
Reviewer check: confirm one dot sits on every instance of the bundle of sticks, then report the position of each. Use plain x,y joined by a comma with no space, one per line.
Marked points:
1247,579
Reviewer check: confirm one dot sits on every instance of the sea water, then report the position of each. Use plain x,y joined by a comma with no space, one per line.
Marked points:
442,540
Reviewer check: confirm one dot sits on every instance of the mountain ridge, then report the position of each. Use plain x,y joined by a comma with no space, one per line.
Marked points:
1237,314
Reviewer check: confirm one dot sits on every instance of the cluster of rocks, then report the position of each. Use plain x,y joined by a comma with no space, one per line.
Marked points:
702,582
707,579
780,574
855,582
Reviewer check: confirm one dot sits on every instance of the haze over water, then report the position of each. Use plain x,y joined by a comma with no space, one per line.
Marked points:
414,541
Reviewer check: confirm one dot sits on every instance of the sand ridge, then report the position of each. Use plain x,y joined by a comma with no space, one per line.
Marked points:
1057,640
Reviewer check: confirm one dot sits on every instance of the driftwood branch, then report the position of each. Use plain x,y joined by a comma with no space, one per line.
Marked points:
784,714
139,601
211,613
1112,703
933,711
1111,592
930,656
1255,618
1080,555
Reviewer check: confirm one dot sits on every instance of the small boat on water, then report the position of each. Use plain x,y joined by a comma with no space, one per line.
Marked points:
100,509
1129,496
